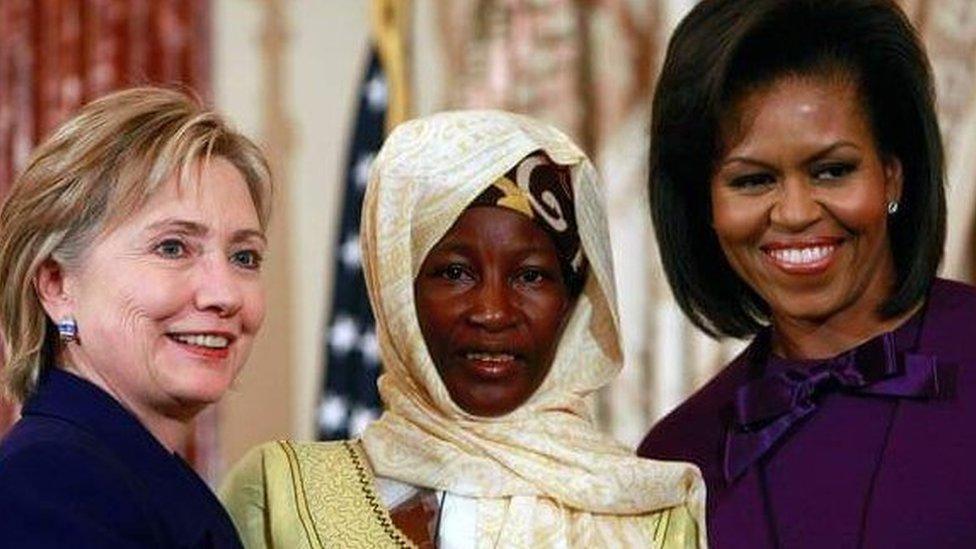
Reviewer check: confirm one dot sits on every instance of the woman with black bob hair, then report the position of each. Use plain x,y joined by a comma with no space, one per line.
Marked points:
797,191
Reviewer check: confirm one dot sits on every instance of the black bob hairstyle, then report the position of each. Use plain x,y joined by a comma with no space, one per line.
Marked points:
725,48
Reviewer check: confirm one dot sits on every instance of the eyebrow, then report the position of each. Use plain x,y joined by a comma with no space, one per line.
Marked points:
458,248
452,248
193,228
832,148
814,157
241,235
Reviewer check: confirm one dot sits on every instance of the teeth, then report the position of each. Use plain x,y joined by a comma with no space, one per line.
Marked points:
491,357
802,256
203,340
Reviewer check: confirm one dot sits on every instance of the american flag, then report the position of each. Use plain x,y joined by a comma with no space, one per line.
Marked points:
349,400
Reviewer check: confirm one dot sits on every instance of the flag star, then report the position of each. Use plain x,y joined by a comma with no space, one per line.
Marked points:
369,348
376,92
360,418
360,172
332,412
343,334
350,253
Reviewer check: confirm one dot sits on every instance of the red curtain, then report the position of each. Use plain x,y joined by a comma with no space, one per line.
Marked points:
56,55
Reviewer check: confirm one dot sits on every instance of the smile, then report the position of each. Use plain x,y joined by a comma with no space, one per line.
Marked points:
802,256
807,258
205,345
202,340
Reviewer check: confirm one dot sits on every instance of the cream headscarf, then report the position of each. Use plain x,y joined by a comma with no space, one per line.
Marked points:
543,473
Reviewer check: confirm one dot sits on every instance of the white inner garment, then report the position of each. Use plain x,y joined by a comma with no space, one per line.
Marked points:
457,519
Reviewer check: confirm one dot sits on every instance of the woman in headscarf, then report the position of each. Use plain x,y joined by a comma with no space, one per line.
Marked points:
488,264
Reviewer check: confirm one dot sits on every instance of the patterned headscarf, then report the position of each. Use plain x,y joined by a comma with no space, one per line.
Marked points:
542,190
544,475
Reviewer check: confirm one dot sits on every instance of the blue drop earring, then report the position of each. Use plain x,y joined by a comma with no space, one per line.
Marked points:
68,329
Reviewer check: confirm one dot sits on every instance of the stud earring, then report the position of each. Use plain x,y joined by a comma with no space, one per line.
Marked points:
892,207
68,329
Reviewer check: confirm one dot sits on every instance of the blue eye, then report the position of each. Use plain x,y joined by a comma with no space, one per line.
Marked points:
248,259
171,248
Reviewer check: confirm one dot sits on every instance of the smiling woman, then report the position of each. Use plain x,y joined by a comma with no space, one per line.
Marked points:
131,257
803,216
797,192
169,334
487,259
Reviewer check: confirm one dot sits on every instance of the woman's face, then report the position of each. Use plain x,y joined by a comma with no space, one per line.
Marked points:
799,200
168,303
492,304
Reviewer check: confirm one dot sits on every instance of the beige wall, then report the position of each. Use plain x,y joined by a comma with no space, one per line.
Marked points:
287,71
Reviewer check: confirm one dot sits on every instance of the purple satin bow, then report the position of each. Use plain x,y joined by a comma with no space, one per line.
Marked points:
766,408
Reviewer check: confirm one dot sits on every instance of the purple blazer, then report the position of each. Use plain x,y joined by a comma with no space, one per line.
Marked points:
860,469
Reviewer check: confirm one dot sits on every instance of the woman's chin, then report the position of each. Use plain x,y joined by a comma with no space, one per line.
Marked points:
807,306
197,385
487,403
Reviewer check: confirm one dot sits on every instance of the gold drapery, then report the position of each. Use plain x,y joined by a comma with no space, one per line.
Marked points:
390,20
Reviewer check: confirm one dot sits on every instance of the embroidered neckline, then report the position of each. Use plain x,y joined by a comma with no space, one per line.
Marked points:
369,491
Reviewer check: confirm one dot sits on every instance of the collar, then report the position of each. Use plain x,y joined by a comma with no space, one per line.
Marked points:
783,392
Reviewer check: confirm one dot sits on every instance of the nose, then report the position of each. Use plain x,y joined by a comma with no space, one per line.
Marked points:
493,309
217,288
796,207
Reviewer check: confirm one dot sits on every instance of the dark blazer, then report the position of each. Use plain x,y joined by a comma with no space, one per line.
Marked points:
861,470
80,471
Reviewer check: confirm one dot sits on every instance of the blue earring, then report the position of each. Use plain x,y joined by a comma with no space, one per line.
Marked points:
68,329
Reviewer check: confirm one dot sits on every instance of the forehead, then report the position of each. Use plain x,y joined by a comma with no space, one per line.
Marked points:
211,193
492,228
796,110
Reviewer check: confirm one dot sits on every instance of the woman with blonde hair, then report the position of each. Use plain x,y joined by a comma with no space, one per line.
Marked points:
487,259
130,258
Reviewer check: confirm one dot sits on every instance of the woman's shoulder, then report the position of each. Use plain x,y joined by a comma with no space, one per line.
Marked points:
695,431
282,459
39,445
949,328
307,494
953,297
699,418
279,470
47,469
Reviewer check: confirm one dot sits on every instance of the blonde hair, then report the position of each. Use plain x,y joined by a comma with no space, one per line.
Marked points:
97,168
